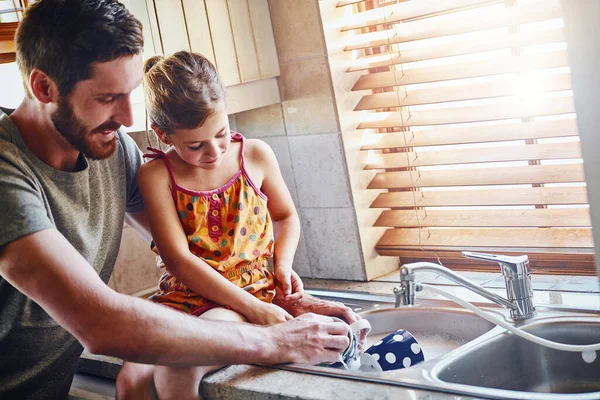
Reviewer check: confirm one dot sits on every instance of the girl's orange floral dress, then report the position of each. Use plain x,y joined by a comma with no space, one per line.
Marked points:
230,229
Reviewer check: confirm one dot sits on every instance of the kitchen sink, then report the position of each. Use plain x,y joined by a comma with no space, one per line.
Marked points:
467,355
439,330
509,362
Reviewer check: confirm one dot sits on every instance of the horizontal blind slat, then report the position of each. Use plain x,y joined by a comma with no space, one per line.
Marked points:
540,255
7,46
343,3
546,151
530,174
471,69
465,91
488,197
488,237
476,134
562,217
409,10
457,115
460,48
7,30
484,19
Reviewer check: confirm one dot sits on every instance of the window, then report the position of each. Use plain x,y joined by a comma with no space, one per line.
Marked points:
468,121
10,14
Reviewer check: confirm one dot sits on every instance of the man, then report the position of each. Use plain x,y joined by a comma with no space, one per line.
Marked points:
68,182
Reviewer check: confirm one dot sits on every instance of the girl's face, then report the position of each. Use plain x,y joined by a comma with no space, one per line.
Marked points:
204,146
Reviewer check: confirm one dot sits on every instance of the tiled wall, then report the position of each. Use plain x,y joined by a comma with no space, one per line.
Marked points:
304,133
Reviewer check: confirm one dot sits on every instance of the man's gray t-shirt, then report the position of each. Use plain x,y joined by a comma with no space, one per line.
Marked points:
37,356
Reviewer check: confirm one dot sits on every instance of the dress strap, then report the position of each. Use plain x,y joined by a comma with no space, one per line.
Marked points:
157,153
238,137
154,153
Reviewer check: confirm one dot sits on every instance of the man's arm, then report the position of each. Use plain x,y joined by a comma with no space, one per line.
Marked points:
45,267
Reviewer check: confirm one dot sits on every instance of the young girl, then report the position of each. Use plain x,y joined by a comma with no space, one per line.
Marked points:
218,209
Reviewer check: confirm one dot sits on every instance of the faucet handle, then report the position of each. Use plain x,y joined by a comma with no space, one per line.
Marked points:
510,265
517,279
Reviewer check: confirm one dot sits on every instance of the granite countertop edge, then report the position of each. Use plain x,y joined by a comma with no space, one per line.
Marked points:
254,382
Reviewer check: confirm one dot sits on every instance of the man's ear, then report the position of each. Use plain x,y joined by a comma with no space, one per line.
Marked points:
161,134
43,87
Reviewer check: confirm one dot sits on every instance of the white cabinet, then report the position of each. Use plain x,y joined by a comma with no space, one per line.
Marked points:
199,33
236,35
146,15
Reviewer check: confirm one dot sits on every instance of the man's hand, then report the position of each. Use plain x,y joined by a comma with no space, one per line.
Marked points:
309,339
310,304
289,284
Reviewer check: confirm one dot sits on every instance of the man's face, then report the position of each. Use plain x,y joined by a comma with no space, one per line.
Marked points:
91,114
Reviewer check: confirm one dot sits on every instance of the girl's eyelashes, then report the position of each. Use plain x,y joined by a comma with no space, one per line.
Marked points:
219,136
197,147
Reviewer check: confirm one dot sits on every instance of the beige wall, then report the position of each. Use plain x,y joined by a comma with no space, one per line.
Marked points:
339,61
304,132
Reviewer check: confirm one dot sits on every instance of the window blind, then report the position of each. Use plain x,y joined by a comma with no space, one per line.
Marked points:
10,15
470,128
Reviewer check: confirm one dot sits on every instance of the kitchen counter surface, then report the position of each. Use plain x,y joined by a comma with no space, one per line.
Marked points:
254,382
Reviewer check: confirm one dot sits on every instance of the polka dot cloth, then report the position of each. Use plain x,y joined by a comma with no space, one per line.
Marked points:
230,229
397,350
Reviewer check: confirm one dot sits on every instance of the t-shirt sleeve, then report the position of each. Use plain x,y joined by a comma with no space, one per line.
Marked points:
22,205
133,161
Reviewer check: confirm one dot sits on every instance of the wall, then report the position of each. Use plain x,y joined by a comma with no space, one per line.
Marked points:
339,62
303,131
582,21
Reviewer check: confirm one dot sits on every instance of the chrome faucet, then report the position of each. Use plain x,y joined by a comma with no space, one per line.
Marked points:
516,276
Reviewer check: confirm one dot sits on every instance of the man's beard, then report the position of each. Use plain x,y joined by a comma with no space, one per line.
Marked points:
76,133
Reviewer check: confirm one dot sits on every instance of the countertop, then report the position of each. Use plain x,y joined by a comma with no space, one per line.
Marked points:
254,382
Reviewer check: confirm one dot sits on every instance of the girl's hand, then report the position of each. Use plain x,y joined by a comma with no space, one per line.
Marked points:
267,314
289,284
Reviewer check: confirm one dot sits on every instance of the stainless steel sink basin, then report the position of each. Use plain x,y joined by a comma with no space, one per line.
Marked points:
439,330
509,362
466,355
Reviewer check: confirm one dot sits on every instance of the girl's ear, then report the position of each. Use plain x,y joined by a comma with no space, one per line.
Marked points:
161,135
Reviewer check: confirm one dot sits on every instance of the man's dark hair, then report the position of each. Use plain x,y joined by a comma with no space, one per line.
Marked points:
64,37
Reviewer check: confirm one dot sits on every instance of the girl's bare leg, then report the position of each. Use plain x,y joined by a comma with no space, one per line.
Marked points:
184,383
135,381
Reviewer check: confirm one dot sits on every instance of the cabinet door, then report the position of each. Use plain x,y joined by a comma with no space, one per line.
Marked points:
139,8
223,44
152,46
243,36
264,39
199,28
235,35
172,26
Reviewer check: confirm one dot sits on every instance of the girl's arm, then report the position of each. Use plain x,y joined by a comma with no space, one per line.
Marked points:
172,244
284,216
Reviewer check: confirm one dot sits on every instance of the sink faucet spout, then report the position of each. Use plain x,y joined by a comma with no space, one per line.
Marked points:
517,278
